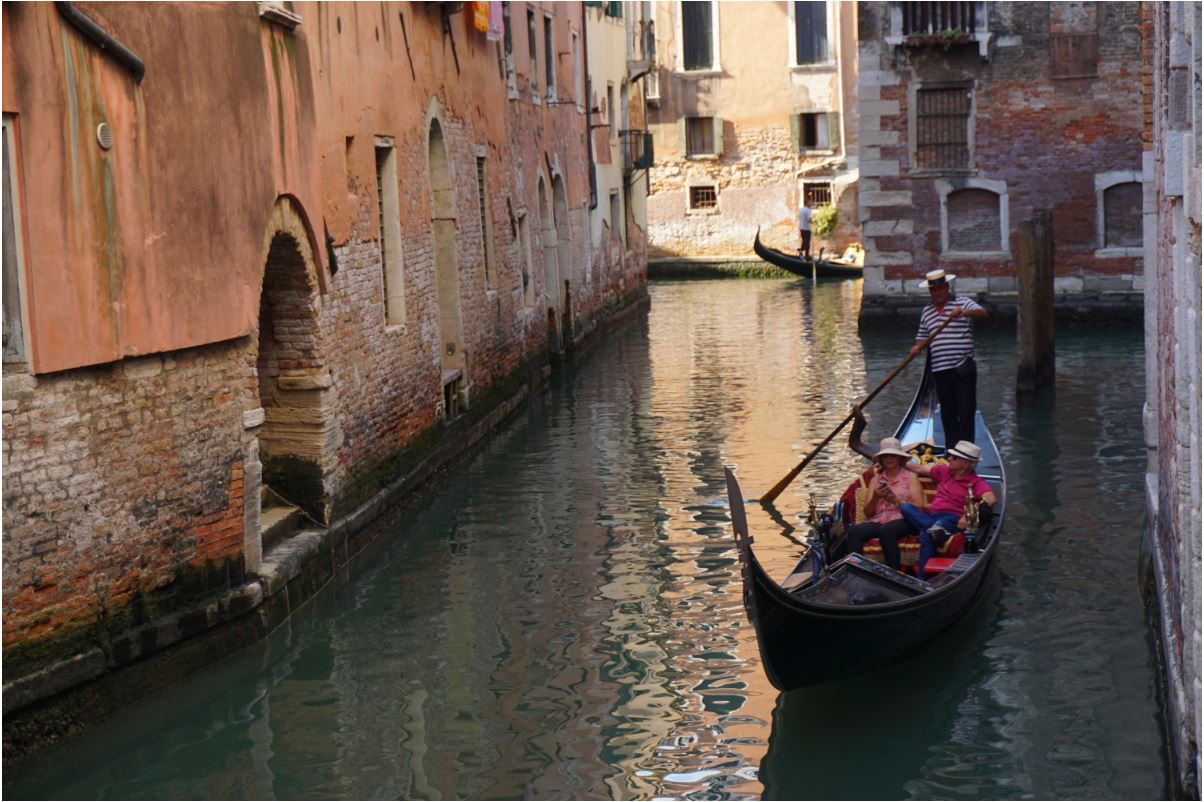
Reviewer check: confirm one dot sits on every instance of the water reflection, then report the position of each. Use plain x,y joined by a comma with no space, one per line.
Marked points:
563,618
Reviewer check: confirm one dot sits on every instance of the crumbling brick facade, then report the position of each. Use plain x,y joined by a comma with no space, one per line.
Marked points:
1173,372
1033,107
350,290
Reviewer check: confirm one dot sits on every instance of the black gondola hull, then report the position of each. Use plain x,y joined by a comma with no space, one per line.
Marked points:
805,638
799,266
804,645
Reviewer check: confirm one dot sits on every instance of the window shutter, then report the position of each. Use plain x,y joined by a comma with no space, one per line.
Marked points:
834,130
681,136
718,122
796,133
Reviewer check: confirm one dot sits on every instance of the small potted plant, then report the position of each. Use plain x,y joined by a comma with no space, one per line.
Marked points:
944,39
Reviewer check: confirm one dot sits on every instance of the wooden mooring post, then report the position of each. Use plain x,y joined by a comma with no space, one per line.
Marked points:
1035,323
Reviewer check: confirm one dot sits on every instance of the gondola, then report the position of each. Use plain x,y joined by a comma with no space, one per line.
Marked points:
854,615
801,266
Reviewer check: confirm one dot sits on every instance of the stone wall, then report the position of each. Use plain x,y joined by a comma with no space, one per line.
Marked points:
1036,141
1173,374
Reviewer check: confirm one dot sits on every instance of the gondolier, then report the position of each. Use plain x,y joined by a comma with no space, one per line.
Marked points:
954,371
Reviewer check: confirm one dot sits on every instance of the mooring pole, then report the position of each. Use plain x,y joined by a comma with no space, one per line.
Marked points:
1035,324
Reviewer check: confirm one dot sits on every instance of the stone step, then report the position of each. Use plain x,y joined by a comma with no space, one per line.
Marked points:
278,522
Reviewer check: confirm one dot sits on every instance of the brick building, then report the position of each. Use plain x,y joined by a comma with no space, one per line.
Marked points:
262,258
972,116
752,108
1172,408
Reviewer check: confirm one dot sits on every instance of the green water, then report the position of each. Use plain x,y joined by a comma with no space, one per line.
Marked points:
562,618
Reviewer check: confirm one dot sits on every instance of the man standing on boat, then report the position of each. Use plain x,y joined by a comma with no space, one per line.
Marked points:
804,228
952,352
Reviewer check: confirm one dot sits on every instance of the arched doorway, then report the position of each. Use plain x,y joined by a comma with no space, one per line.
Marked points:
564,258
298,439
447,280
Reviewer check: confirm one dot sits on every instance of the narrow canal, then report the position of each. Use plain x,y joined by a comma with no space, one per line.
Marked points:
563,618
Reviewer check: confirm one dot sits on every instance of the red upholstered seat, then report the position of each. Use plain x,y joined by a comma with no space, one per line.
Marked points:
938,564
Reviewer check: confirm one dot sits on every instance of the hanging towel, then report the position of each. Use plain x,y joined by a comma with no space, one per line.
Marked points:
497,24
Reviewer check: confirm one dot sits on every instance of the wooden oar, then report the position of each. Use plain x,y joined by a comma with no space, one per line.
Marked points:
777,489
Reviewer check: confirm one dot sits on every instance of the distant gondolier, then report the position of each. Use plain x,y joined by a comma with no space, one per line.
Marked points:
954,371
804,228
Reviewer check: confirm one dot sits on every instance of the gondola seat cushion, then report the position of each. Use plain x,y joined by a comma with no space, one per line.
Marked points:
909,547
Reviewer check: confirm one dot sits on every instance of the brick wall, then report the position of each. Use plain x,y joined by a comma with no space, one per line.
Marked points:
1173,374
1038,142
123,492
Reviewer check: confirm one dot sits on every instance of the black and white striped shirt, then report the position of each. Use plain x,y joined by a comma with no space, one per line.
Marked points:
955,344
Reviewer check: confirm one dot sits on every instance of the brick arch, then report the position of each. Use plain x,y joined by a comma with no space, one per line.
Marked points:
298,433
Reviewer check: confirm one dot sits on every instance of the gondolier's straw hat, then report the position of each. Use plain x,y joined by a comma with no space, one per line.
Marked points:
966,450
934,278
891,445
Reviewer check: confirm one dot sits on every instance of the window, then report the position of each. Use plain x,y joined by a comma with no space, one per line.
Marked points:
610,110
974,217
389,219
508,46
815,131
14,280
524,259
943,128
532,33
1122,216
818,193
616,214
703,136
973,221
486,230
549,57
577,68
697,30
1118,200
704,197
811,44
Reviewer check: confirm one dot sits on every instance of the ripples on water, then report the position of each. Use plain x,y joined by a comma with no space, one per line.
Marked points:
564,618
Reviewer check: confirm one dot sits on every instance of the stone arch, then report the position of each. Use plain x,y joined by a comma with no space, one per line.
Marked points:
453,358
564,251
551,267
292,426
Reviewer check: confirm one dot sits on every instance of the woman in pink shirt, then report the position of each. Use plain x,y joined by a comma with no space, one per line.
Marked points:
888,491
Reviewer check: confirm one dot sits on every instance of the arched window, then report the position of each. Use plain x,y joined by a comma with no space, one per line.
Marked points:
1118,222
974,217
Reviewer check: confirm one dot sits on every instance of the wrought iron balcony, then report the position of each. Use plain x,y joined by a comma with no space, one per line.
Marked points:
935,18
637,149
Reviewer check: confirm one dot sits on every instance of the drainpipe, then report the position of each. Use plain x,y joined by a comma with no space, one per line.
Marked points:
102,39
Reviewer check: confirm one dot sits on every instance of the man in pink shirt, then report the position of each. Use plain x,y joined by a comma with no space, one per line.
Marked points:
945,513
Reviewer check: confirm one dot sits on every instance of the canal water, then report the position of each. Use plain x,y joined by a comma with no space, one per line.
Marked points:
562,618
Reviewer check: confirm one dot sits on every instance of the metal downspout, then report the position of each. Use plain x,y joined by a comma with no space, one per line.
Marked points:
102,39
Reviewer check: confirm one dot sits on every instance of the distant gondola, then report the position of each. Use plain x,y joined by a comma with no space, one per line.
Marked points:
802,266
860,616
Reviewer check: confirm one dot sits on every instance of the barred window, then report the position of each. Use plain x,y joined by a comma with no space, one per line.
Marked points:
817,194
704,197
943,128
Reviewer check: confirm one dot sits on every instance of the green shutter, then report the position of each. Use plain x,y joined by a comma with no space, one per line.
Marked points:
796,133
718,121
593,3
681,136
834,130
